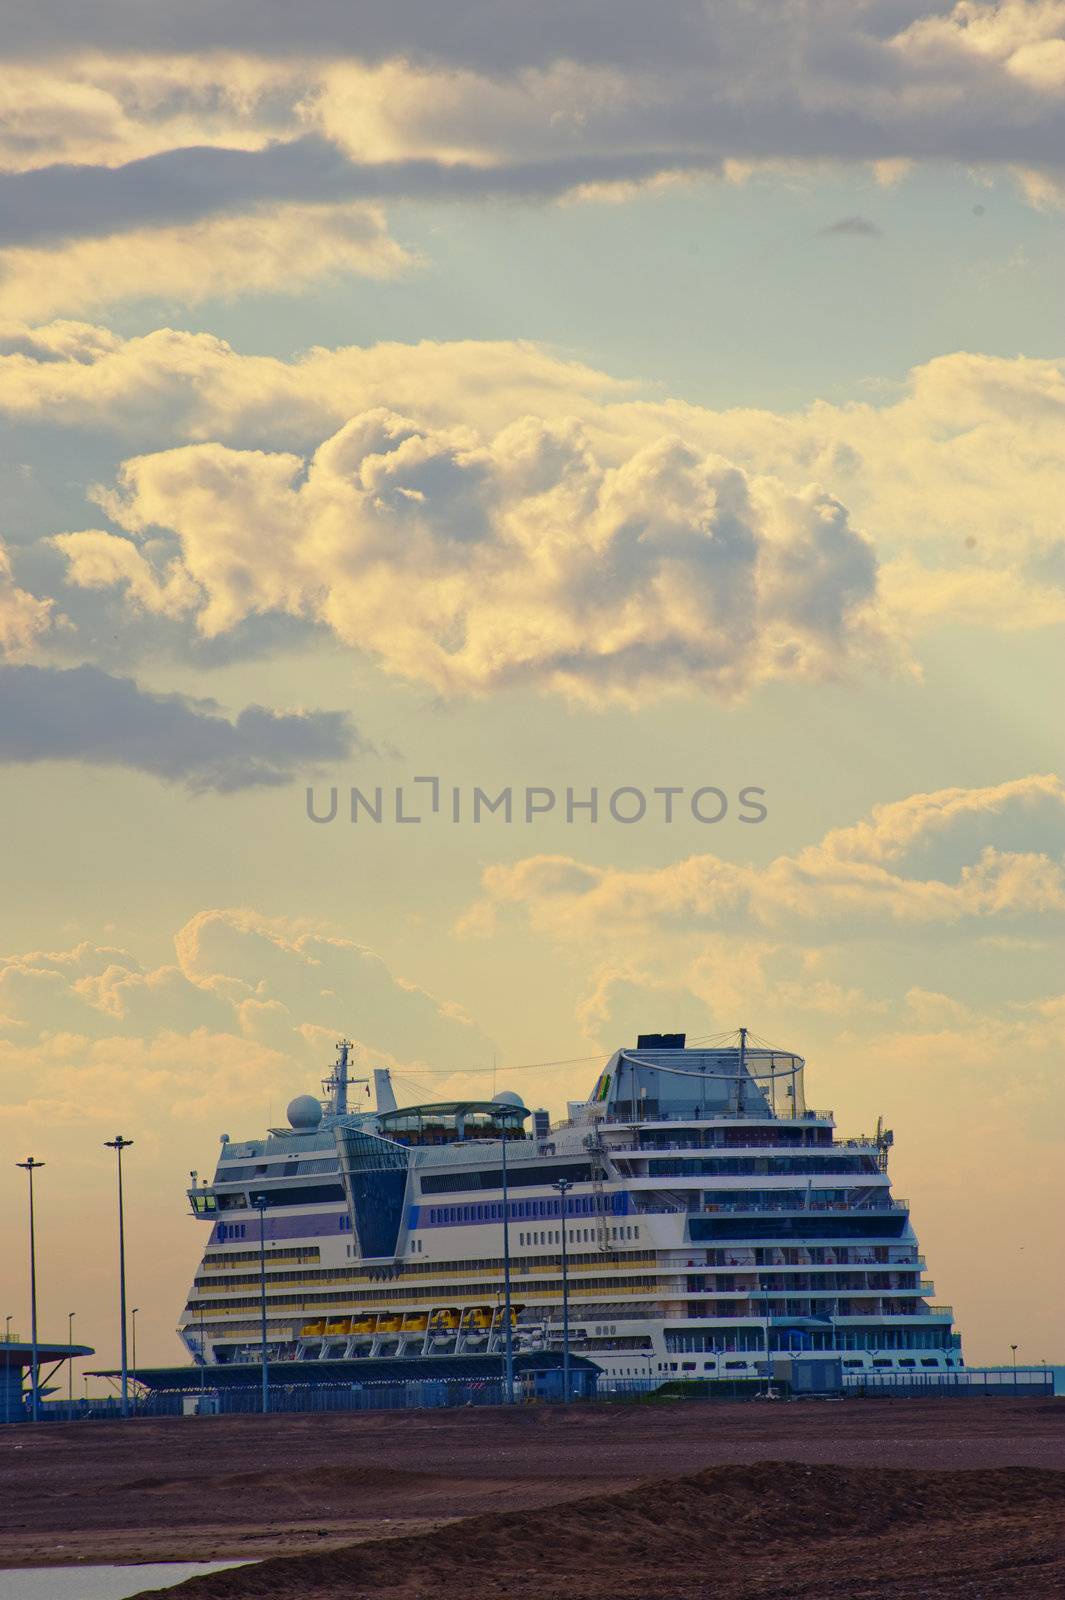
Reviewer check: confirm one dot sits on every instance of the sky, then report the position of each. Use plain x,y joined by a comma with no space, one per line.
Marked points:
545,405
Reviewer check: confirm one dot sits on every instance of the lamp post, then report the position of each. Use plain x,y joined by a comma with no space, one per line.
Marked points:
259,1202
564,1185
508,1331
31,1166
70,1365
1013,1347
118,1144
133,1337
203,1352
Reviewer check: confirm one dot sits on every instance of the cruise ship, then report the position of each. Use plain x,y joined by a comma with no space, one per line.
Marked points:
712,1220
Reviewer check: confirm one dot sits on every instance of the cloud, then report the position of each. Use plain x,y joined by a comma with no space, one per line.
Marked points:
84,714
326,983
279,251
266,990
957,478
23,618
946,857
720,977
521,559
174,385
55,204
108,110
583,86
133,127
861,227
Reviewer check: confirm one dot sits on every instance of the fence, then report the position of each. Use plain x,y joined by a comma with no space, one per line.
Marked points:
1002,1382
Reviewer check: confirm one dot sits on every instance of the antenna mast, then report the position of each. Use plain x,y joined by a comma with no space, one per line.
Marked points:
336,1085
741,1070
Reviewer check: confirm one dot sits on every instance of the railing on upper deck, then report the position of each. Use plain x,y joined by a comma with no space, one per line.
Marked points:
607,1120
803,1205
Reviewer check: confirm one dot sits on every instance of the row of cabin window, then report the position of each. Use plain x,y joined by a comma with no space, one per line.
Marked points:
551,1236
520,1210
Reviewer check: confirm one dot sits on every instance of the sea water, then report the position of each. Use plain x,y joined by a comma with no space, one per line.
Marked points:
100,1583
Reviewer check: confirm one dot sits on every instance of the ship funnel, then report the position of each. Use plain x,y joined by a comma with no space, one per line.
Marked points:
382,1083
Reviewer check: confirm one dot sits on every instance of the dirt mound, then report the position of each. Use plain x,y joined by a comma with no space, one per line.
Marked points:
779,1524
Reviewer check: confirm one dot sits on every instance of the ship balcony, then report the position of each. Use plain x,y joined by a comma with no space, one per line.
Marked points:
861,1311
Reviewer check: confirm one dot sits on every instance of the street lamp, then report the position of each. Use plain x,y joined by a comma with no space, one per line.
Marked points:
31,1166
7,1386
133,1329
564,1185
1013,1347
260,1203
118,1144
70,1365
508,1331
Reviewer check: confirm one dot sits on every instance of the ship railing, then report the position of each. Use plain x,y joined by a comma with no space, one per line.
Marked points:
694,1115
801,1205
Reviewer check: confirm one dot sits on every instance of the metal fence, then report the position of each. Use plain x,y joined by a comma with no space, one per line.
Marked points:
996,1381
241,1400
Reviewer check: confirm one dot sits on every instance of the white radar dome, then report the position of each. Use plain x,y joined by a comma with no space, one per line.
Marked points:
507,1097
304,1112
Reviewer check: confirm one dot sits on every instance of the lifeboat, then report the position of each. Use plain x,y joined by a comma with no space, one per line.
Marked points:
415,1322
480,1317
338,1325
363,1324
312,1330
446,1321
389,1322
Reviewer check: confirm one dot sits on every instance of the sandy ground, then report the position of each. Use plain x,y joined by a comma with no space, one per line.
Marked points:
249,1487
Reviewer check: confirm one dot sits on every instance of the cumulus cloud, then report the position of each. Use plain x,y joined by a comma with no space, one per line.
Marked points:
280,250
939,858
84,714
170,384
957,478
521,559
23,618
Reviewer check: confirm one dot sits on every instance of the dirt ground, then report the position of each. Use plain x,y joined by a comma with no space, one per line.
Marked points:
250,1487
776,1529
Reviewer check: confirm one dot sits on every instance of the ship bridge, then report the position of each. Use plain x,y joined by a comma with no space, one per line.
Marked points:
663,1079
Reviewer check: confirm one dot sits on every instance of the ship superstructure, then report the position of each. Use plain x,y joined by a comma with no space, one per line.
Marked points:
711,1217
